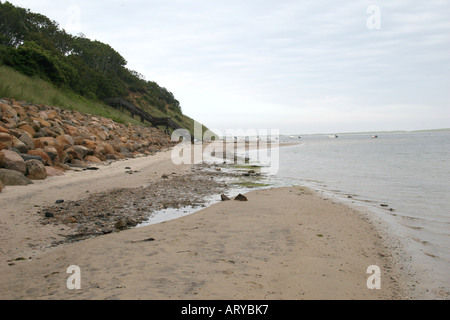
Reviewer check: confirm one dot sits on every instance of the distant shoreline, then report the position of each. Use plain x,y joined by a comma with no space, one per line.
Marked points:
369,132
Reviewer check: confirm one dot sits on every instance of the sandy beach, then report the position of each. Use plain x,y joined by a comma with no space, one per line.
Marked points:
283,243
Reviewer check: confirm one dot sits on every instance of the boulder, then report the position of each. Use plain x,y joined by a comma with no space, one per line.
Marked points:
43,114
32,111
90,144
52,153
35,124
41,143
54,172
93,159
120,225
224,197
71,130
123,139
82,151
126,152
65,141
7,111
241,197
56,128
49,214
9,123
43,155
19,145
28,140
3,146
63,157
28,129
35,170
13,161
72,154
113,157
41,122
77,163
21,114
99,133
13,178
53,114
99,149
46,132
27,157
6,140
2,129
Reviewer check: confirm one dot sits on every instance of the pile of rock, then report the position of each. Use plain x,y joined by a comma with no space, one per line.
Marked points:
37,141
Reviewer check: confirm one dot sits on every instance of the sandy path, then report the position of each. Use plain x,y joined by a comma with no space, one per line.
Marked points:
284,243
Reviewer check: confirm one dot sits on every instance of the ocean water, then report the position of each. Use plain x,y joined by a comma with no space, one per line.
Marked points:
403,178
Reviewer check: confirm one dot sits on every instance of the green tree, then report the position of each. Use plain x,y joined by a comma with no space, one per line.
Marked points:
37,46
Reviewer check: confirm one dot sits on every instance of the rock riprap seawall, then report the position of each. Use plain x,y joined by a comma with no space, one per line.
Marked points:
38,141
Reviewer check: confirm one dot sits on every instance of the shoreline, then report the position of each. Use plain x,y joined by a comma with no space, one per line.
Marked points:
19,232
195,243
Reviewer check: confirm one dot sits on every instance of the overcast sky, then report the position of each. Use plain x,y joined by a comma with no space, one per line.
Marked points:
298,66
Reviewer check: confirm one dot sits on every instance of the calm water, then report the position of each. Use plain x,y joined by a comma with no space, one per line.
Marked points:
409,172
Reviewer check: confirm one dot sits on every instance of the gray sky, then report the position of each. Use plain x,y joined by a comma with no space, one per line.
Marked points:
298,66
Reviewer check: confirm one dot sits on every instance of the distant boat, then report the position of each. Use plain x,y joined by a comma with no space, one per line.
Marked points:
333,136
375,136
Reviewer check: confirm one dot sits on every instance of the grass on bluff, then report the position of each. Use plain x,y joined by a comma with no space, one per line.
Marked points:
15,85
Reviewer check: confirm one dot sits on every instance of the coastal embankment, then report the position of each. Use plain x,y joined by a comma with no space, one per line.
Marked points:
40,141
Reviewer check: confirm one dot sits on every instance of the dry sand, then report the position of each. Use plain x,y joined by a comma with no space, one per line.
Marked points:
23,235
283,243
